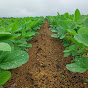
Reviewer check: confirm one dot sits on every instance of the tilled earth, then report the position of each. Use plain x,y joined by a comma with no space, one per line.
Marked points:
46,66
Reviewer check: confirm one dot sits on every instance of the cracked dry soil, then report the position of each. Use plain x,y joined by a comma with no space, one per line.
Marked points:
46,66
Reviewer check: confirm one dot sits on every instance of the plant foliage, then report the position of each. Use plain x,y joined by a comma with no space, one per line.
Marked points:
73,29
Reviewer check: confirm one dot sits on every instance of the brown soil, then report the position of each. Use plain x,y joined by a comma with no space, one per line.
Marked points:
46,66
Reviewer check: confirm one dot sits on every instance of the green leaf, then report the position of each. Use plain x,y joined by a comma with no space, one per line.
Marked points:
5,35
80,65
13,59
62,37
5,46
9,27
14,27
2,29
77,14
25,45
81,19
63,25
75,67
75,41
78,52
66,54
61,32
66,15
10,43
4,77
86,23
29,34
71,48
72,31
28,45
53,30
19,41
66,43
55,35
82,38
15,36
83,30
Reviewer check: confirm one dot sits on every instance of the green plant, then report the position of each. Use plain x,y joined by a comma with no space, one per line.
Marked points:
10,59
14,36
73,30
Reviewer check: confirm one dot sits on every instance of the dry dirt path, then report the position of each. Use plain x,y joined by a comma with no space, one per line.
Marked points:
46,66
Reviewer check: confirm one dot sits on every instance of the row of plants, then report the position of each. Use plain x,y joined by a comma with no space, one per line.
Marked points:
15,36
73,32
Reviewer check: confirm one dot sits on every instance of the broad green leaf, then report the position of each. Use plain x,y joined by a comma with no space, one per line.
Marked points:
62,18
63,25
71,49
29,34
78,52
66,15
4,77
77,14
14,27
4,53
72,25
25,45
10,43
15,36
61,32
2,29
83,30
9,27
82,38
62,37
4,46
72,31
81,19
75,41
29,38
66,43
5,35
53,30
55,35
13,59
75,67
20,41
32,24
80,65
29,45
86,23
66,54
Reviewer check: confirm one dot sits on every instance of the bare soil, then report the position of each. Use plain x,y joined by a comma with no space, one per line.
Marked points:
46,66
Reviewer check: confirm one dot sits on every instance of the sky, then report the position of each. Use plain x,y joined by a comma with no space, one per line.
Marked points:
23,8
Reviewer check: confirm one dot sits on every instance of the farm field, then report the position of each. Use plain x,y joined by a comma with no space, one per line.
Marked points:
46,66
50,52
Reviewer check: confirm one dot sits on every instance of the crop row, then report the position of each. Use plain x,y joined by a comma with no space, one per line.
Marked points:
15,36
73,32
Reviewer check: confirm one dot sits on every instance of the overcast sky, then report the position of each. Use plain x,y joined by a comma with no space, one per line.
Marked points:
21,8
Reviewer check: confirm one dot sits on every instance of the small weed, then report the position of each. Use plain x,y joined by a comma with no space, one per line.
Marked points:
86,80
63,76
55,59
